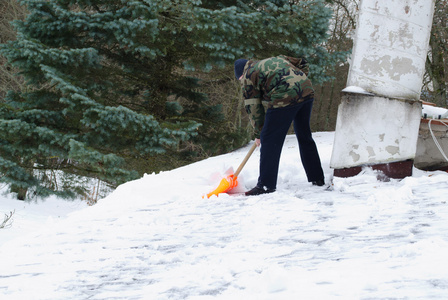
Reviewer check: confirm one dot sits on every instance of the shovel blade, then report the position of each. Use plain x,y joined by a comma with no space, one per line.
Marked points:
224,186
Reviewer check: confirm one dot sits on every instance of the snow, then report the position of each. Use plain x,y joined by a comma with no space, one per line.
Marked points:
355,90
434,112
156,238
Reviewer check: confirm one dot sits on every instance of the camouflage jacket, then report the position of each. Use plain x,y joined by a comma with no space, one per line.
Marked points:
272,83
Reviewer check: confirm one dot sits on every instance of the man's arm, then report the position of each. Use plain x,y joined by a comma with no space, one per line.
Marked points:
252,102
256,113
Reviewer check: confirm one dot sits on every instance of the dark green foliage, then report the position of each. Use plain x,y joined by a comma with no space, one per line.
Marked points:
110,81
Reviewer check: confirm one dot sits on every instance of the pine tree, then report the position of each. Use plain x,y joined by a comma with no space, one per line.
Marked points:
109,83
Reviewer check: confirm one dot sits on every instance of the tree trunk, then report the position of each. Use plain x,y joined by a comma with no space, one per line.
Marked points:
21,192
436,71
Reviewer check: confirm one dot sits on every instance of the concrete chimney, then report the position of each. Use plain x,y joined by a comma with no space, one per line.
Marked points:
379,115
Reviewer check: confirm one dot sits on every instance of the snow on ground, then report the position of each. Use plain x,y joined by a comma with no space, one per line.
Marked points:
156,238
30,216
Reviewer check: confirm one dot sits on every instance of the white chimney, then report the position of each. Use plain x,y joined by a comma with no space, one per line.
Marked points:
379,115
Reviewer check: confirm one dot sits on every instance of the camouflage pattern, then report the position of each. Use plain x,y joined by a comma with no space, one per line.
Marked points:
272,83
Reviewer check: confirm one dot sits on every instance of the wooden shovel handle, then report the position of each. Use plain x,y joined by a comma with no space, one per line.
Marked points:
251,150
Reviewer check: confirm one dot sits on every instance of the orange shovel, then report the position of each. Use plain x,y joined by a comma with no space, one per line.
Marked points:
231,181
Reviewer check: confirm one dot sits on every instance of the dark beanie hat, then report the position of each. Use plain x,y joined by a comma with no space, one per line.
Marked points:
239,67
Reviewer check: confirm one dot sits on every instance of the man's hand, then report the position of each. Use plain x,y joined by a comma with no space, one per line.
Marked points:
258,142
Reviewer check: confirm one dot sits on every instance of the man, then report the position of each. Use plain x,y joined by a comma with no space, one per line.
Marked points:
279,84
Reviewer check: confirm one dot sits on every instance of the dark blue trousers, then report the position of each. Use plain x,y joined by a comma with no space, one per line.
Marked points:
273,134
